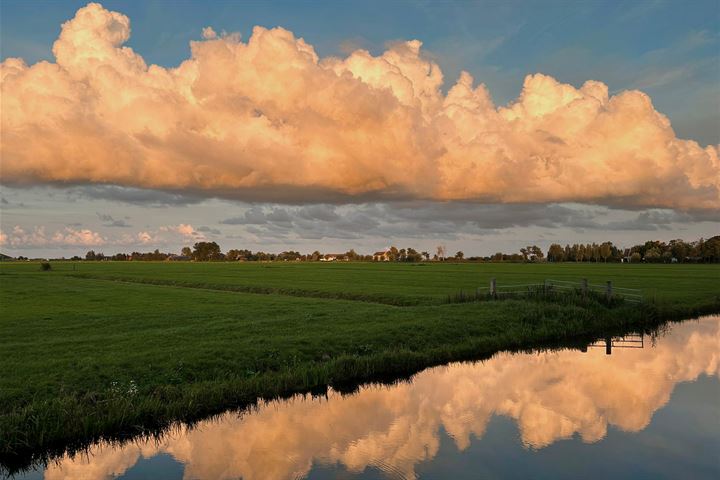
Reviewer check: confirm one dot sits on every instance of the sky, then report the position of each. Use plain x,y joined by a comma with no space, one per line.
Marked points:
481,126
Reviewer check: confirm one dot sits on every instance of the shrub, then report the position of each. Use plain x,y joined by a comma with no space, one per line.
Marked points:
45,266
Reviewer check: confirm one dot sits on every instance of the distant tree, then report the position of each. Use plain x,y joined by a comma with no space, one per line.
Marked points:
555,253
233,255
533,253
576,256
679,249
635,257
605,250
440,252
204,251
652,254
710,249
459,255
426,256
412,255
90,255
581,253
186,252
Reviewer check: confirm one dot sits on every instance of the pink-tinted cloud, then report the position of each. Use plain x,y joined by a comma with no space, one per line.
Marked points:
70,236
268,119
37,237
185,230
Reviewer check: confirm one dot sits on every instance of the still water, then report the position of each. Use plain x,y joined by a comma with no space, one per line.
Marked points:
648,409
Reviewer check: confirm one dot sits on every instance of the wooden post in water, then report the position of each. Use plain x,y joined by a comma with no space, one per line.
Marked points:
608,291
584,287
608,345
493,288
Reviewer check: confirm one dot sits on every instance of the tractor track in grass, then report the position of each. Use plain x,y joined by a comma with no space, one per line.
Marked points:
262,290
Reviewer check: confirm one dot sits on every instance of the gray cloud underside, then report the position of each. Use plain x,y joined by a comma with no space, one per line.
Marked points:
133,196
447,220
110,221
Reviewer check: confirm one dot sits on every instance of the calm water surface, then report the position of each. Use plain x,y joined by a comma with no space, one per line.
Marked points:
649,409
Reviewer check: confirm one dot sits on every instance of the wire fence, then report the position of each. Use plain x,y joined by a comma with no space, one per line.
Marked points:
551,288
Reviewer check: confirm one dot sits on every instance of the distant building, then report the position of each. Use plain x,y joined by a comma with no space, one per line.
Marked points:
333,257
383,256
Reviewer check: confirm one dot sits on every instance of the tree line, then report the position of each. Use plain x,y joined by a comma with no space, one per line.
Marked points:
652,251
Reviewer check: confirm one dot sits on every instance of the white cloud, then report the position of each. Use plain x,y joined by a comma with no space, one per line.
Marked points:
269,120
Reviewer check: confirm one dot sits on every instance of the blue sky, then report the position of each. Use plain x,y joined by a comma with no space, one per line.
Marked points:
669,50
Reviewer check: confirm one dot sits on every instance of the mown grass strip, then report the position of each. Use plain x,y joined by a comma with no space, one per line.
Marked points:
397,301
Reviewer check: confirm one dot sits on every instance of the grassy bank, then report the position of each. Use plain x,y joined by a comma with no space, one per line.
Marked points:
86,355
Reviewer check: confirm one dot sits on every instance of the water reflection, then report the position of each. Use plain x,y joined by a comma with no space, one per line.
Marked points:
551,396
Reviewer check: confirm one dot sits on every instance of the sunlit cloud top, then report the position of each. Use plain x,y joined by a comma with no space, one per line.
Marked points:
268,119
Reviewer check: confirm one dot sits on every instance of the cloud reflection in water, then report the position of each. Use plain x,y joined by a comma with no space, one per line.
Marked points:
551,395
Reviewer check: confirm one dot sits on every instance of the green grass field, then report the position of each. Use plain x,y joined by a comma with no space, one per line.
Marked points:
401,283
106,349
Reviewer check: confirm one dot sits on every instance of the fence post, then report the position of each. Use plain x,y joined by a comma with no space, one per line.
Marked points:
608,291
584,287
493,288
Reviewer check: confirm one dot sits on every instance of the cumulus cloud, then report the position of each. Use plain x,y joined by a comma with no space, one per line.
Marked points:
38,237
145,237
185,230
208,33
269,120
